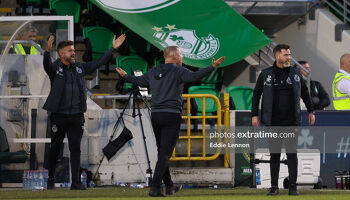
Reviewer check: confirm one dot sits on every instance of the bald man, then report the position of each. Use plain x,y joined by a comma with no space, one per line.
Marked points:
166,82
341,84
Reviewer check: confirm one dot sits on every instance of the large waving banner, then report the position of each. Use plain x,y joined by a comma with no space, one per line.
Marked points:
201,28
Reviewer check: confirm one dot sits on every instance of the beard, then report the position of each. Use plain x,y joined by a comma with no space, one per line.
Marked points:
285,64
71,60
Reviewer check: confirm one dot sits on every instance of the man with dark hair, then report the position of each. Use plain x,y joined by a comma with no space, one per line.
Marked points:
66,103
63,44
166,83
319,97
279,48
281,87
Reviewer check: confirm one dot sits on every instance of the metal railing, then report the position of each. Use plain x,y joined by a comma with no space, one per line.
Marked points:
278,4
202,137
266,58
189,117
340,8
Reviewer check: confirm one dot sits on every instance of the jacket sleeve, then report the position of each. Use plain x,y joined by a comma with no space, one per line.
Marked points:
305,95
48,64
142,81
187,75
323,96
258,90
91,66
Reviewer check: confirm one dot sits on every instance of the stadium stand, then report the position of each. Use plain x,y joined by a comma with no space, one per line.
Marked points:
240,97
129,63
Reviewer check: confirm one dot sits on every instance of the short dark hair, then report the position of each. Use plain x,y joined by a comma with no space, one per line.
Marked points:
63,44
279,47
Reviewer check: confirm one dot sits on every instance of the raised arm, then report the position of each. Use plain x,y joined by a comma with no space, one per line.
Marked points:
47,57
91,66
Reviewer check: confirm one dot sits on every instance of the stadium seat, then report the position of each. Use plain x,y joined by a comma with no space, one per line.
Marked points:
137,45
214,79
134,62
99,40
158,61
33,2
99,16
66,7
7,157
210,105
240,97
197,103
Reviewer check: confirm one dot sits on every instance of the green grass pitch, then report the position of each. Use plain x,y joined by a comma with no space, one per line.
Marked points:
185,194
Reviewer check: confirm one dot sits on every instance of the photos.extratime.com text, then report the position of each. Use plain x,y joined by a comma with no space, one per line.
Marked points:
249,134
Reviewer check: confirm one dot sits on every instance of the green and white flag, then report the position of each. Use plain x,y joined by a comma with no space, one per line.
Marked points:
201,28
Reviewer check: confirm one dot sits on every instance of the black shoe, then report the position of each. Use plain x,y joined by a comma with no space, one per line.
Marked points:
274,191
77,186
156,193
51,184
293,190
170,190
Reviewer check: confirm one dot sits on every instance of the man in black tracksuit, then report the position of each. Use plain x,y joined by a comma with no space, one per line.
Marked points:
166,82
319,97
281,87
66,103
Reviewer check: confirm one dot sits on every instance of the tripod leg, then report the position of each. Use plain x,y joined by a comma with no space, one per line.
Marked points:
98,168
115,128
149,170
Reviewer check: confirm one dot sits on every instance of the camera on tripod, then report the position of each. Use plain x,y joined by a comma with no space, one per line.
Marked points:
143,91
114,145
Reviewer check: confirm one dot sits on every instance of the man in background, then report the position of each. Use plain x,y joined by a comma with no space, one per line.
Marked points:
341,84
29,34
319,97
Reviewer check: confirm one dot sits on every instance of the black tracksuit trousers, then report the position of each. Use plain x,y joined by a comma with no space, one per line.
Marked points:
292,159
166,127
73,125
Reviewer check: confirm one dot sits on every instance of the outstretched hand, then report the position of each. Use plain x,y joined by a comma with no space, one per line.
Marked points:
120,71
217,63
119,41
49,43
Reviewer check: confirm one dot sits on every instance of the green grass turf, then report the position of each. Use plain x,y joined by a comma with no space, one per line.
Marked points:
185,194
